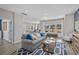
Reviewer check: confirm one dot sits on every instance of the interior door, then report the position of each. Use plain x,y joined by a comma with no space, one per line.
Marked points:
5,28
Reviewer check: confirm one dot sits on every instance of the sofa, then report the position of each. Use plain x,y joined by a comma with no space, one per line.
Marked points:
32,44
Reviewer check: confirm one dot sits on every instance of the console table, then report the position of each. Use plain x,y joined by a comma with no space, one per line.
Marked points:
51,34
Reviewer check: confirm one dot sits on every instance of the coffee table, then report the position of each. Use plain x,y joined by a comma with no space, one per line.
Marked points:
48,45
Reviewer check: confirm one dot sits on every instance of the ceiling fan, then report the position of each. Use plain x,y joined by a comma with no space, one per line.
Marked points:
25,12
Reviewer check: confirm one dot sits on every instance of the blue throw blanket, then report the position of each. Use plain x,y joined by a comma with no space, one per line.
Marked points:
27,36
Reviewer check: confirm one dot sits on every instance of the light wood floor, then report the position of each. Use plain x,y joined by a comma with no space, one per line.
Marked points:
7,48
69,50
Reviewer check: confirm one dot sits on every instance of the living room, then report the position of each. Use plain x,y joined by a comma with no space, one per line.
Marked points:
39,29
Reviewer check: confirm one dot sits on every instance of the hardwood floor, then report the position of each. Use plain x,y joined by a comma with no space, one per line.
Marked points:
68,47
7,48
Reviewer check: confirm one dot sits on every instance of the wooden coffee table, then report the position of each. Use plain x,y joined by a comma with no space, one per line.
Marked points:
48,45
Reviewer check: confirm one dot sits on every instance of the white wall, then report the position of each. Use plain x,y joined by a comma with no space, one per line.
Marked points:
18,27
68,23
5,14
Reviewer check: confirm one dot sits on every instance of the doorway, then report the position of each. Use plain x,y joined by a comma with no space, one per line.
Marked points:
6,30
1,33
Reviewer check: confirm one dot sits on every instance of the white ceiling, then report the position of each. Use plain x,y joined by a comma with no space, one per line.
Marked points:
42,11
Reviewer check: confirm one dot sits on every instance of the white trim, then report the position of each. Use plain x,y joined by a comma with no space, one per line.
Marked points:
16,41
8,40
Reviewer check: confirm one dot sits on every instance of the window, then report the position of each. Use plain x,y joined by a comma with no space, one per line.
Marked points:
52,26
58,26
47,27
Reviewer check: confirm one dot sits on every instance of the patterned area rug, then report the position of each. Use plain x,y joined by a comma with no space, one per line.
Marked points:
38,51
59,49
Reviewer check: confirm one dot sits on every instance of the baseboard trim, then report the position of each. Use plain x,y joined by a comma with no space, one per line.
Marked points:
17,41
